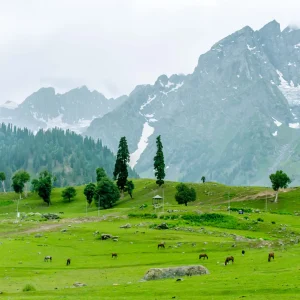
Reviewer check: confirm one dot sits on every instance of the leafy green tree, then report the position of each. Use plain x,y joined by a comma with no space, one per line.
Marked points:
68,193
100,174
123,158
106,193
19,180
43,186
2,179
185,194
203,179
159,163
89,192
279,180
129,187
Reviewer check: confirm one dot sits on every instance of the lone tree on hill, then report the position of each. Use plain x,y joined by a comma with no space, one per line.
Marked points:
279,180
100,174
203,179
2,179
159,163
129,187
106,193
19,180
43,186
89,192
185,194
123,158
68,193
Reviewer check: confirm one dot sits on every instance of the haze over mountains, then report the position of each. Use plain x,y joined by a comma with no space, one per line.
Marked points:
46,109
234,119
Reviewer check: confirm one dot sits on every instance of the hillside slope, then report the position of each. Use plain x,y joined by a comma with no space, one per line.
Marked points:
234,119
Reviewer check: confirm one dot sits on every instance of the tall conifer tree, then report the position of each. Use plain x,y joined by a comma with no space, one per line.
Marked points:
159,163
123,158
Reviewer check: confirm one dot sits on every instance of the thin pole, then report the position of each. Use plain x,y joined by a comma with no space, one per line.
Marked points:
99,206
229,200
86,209
163,200
266,203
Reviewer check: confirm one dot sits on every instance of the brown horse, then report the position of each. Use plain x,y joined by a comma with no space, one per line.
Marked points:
228,259
114,255
68,261
270,256
161,245
203,255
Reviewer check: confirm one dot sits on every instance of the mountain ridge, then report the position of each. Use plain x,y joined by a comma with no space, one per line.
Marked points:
235,93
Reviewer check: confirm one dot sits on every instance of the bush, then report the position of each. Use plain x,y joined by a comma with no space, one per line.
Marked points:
29,288
143,216
260,220
216,220
245,210
170,217
273,222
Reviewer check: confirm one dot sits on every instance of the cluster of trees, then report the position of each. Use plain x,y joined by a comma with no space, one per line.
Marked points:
70,157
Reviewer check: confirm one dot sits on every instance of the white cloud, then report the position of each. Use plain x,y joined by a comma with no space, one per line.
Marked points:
114,45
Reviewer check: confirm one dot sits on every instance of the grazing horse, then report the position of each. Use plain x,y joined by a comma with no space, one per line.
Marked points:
114,255
270,256
243,252
68,261
47,258
203,255
228,259
161,245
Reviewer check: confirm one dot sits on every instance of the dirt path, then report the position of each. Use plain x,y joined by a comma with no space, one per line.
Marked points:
61,223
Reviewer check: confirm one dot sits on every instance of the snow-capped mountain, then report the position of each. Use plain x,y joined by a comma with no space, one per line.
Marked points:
235,119
73,110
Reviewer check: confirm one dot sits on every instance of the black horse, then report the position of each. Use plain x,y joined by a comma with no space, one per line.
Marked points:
47,258
68,261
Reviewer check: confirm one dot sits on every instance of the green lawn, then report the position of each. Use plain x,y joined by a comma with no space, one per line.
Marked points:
250,277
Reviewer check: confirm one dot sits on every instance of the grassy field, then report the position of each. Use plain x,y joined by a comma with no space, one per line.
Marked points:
25,242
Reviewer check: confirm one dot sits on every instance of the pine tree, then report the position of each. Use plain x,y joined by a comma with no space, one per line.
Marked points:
159,163
100,172
123,158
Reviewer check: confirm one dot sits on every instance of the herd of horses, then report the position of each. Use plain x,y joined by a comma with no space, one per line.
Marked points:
49,258
162,245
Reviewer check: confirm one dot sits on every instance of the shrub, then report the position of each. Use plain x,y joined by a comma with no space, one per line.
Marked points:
260,220
273,222
170,217
245,210
143,216
28,288
216,220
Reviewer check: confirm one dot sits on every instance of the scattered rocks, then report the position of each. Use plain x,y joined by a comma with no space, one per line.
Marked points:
162,226
51,216
63,230
79,284
38,235
161,273
106,236
126,226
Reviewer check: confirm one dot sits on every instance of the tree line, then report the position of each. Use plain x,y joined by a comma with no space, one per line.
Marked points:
70,157
104,191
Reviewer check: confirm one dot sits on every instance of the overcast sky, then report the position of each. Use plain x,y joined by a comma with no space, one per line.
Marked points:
113,45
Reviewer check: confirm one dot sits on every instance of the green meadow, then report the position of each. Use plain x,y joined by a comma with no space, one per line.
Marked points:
204,226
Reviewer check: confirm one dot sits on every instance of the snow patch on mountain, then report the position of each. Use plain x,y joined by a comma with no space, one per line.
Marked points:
250,48
150,99
174,89
294,125
277,123
274,133
290,91
142,144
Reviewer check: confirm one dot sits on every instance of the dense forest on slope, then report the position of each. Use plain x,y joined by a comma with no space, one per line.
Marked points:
73,159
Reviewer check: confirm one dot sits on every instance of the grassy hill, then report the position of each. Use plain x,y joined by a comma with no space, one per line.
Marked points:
202,226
